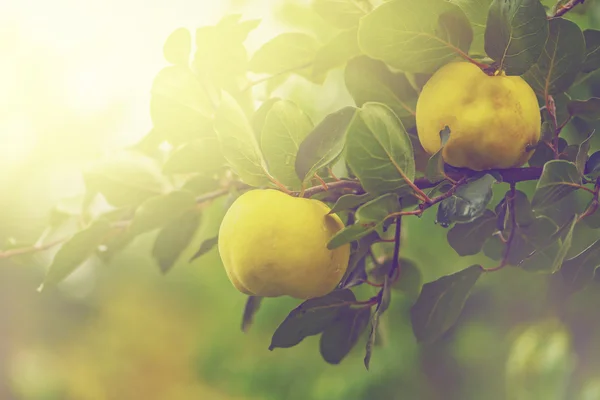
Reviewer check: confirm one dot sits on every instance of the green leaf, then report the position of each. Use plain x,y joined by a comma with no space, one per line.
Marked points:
435,172
558,66
582,153
285,127
158,211
515,34
468,239
356,273
178,47
205,247
559,178
529,238
369,217
592,50
349,201
494,248
336,52
477,13
370,80
587,109
202,155
440,303
180,107
238,142
75,252
524,215
324,144
252,306
342,14
592,166
200,184
371,339
285,53
578,272
431,33
379,151
311,318
468,202
125,180
342,335
260,115
542,154
174,238
410,281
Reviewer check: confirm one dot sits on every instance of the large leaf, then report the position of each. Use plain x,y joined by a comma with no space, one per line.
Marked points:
285,127
468,202
370,80
75,252
477,13
158,211
238,142
340,337
202,155
324,144
340,13
560,62
178,46
559,178
348,201
441,302
528,239
311,318
379,151
587,109
260,115
174,238
578,272
336,52
468,239
284,53
429,34
592,50
515,33
250,309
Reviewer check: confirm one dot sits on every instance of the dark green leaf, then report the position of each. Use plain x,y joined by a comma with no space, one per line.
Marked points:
577,272
558,66
592,50
340,13
435,166
524,215
494,248
468,239
250,310
174,238
201,155
582,154
587,109
356,273
559,178
284,53
178,46
371,339
259,116
349,201
340,337
369,217
592,166
336,52
158,211
370,80
467,203
515,33
529,238
432,33
379,151
477,13
440,303
324,144
285,127
543,153
205,247
75,252
238,142
311,318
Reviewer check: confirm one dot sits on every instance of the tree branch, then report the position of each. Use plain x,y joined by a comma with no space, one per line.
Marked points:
566,8
30,249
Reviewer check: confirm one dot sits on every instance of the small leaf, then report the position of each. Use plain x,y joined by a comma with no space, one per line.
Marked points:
440,303
578,272
311,318
370,80
75,252
468,239
349,201
342,335
515,34
201,155
592,166
468,202
340,13
250,310
356,273
435,172
285,127
379,151
371,339
582,153
205,247
260,115
592,50
324,144
432,33
336,52
559,178
178,47
174,238
587,109
369,217
158,211
238,142
558,66
284,53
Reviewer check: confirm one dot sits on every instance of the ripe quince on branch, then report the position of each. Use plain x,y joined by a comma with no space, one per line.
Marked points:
494,120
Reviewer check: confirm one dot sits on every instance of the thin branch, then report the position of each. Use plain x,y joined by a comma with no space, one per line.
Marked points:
30,249
343,184
566,8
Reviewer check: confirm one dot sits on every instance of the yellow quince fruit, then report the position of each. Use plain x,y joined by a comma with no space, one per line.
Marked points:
273,244
494,121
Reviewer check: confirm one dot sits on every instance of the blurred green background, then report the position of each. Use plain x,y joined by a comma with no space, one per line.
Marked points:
74,85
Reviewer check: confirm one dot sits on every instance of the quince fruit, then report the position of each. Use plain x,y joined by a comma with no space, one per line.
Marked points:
273,244
494,121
